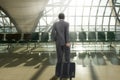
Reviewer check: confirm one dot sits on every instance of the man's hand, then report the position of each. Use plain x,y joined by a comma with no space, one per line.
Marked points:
67,44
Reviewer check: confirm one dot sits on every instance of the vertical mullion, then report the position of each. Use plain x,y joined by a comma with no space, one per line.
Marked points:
90,15
116,20
39,25
97,14
104,13
82,16
3,23
110,19
119,15
75,21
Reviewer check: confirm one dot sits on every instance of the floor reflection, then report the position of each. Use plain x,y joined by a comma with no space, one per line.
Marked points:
97,57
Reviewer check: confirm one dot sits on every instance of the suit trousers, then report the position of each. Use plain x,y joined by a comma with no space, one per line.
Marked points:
63,52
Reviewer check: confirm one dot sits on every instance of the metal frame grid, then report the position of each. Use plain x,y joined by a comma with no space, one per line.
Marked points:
83,15
6,26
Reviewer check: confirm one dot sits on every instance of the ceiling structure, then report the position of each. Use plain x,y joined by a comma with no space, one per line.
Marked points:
25,14
39,15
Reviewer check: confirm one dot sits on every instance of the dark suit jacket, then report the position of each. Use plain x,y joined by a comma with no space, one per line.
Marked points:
60,32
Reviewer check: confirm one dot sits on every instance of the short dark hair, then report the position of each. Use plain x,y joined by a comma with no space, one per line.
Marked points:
61,16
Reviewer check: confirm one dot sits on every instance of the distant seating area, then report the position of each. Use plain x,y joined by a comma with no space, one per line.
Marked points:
93,36
19,38
46,37
80,41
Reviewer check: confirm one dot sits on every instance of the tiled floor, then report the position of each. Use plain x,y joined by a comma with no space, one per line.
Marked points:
94,66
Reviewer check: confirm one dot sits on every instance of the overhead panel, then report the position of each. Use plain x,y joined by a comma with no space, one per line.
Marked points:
25,14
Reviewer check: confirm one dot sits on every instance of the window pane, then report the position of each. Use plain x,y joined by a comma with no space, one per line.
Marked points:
108,11
57,9
91,28
1,24
117,9
118,1
101,11
105,28
78,28
84,28
72,3
92,20
56,1
112,21
71,21
49,11
99,21
88,3
2,13
79,2
86,11
49,20
112,28
85,21
72,11
106,21
103,2
7,21
99,28
79,11
93,11
71,28
117,28
95,2
78,20
42,22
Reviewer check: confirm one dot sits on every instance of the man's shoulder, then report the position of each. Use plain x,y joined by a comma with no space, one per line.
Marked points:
65,22
57,22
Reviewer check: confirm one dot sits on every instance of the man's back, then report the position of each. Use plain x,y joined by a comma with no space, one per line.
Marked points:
61,28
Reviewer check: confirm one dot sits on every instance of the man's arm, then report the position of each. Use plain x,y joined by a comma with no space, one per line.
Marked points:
53,34
67,36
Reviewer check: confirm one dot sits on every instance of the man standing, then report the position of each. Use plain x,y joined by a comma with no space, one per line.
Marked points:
60,34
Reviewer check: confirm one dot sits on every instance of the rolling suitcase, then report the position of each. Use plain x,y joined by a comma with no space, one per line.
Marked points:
65,70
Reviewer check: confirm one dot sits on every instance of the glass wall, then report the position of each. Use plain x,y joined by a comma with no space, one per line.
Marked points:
83,15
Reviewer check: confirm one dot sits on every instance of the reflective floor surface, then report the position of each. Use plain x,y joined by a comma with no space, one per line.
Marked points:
89,66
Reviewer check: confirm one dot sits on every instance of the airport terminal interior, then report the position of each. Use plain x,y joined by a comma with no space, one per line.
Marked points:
27,51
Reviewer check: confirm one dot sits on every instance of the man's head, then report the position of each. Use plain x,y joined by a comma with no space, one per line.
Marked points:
61,16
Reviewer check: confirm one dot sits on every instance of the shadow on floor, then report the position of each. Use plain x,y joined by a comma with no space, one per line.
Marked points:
113,58
93,73
41,70
14,60
54,78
